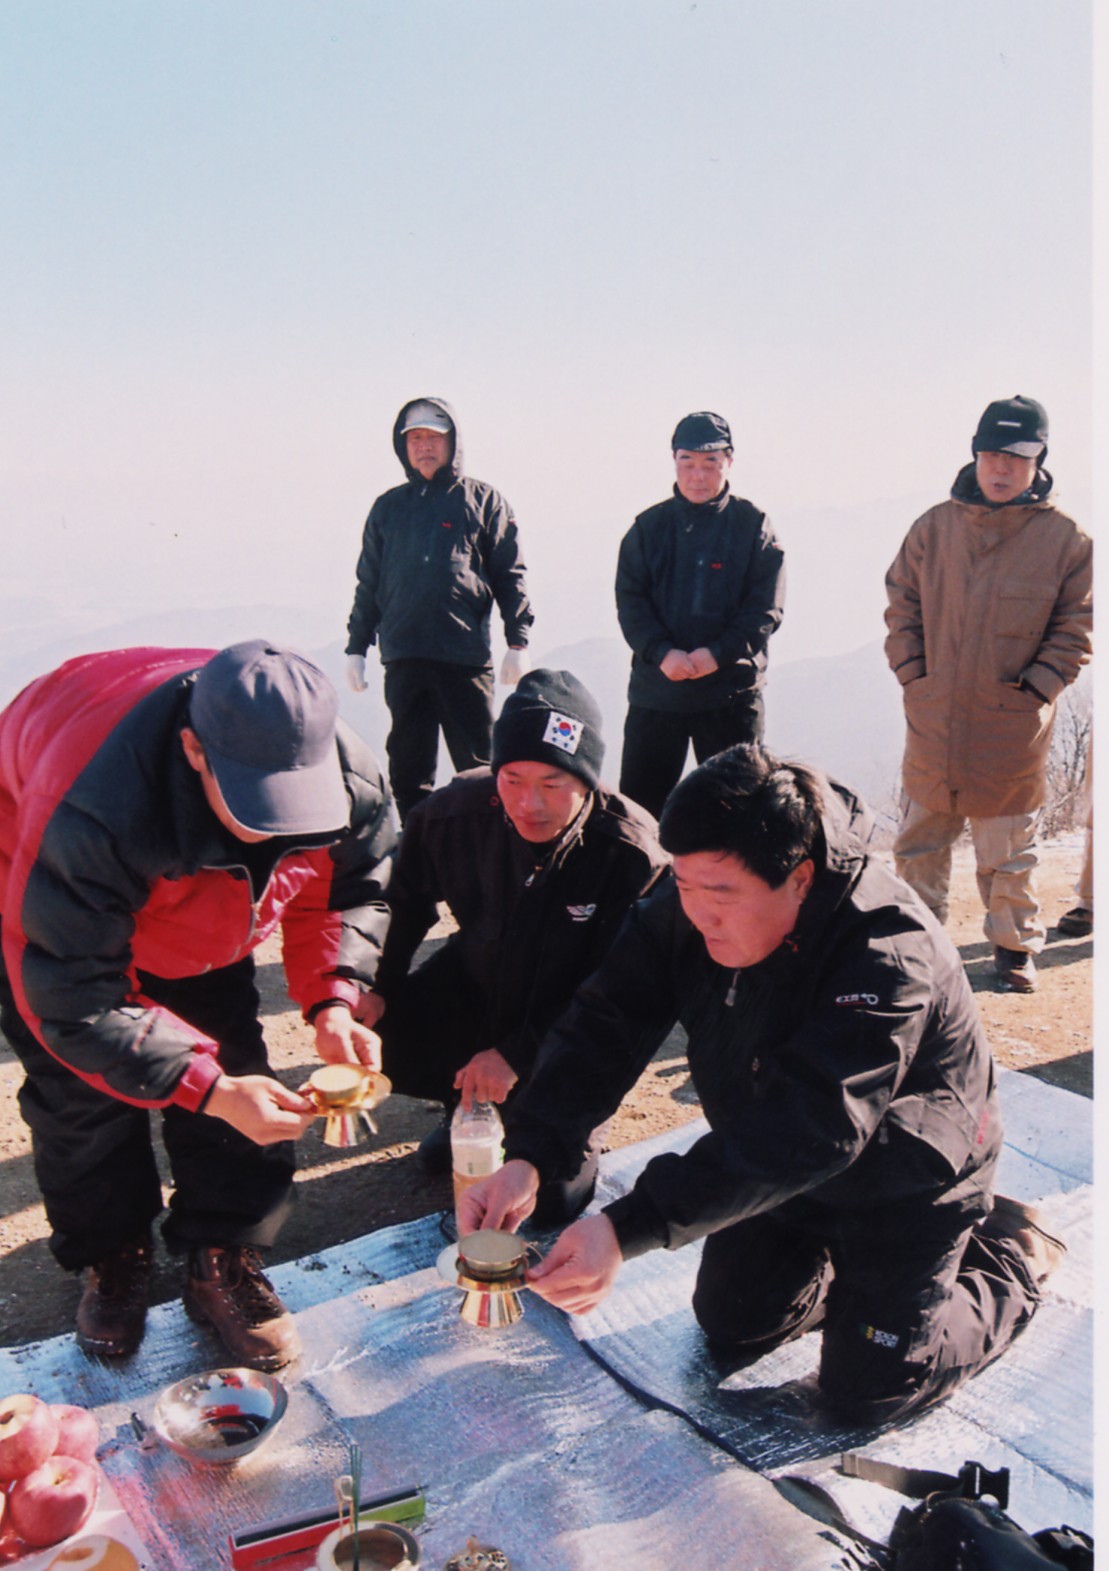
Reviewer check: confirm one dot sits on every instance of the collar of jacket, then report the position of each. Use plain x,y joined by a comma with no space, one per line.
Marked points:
567,840
965,490
698,512
847,827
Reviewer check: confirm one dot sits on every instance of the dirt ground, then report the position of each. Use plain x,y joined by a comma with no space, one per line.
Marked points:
341,1195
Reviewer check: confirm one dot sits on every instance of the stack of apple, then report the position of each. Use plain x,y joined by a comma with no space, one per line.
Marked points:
47,1469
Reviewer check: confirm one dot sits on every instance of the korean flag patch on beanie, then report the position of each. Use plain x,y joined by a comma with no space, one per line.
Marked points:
550,718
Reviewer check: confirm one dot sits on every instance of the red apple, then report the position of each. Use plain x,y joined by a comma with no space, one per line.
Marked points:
78,1431
28,1435
54,1501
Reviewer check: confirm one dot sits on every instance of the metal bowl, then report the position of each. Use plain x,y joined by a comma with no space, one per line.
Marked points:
221,1415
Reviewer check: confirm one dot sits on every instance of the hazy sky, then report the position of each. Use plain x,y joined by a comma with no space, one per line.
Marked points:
237,236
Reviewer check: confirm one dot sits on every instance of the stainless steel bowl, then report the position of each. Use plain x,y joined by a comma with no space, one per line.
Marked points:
221,1415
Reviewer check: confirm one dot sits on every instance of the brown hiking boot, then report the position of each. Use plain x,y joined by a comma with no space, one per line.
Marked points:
1016,970
1078,922
1024,1225
226,1289
112,1312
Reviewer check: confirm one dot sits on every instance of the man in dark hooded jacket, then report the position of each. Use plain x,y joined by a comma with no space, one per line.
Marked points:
846,1179
436,553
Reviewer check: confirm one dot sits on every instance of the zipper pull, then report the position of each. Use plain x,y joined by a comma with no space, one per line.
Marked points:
729,996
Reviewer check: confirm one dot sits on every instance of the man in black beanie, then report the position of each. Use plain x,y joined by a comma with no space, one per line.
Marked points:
539,863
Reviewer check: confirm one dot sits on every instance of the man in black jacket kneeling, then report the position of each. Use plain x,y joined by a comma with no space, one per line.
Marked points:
847,1177
539,863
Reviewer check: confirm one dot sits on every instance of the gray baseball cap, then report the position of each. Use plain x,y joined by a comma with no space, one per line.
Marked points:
424,416
266,719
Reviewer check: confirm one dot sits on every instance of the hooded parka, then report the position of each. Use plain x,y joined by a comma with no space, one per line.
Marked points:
990,617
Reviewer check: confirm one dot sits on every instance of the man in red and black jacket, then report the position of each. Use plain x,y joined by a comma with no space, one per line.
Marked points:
161,812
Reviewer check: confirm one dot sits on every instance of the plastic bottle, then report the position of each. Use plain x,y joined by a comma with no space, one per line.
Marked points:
476,1144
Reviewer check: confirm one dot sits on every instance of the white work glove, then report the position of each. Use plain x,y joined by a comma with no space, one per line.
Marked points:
356,673
512,667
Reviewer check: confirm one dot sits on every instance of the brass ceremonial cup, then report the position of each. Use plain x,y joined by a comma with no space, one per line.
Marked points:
490,1268
344,1094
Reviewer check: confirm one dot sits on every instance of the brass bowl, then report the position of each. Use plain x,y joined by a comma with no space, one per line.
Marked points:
335,1086
492,1256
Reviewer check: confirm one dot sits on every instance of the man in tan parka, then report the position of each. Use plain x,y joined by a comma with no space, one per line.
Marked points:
990,616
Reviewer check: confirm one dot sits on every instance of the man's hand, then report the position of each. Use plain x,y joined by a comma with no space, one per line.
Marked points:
356,673
260,1108
488,1077
581,1268
703,662
504,1199
677,666
512,667
369,1009
341,1039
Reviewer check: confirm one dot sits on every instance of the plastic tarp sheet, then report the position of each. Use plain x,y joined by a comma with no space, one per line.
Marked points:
528,1439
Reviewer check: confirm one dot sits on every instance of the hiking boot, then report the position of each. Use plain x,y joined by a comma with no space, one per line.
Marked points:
1024,1225
112,1312
1078,922
226,1289
434,1151
1016,970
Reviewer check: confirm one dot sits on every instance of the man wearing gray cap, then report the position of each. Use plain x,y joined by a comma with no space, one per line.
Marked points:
700,585
437,553
990,617
162,811
539,863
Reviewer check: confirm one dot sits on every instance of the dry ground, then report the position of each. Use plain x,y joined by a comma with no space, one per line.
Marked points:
1049,1034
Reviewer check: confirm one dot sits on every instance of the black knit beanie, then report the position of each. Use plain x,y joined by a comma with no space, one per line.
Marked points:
550,719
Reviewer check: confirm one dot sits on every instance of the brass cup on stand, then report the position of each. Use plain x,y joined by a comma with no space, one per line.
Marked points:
490,1267
345,1095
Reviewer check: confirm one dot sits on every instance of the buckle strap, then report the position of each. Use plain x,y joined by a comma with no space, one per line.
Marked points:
970,1483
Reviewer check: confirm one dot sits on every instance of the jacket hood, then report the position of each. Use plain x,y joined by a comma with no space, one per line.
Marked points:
453,469
966,490
848,825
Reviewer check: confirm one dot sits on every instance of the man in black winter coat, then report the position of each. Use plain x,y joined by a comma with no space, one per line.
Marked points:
437,552
539,863
699,590
846,1179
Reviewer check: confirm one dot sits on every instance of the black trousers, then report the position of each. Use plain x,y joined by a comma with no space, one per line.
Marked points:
656,742
914,1299
430,1029
424,696
93,1157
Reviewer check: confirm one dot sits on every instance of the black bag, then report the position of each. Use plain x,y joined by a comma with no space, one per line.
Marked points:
954,1529
949,1534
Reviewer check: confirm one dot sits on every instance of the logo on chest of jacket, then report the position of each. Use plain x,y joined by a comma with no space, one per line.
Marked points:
580,913
857,998
446,524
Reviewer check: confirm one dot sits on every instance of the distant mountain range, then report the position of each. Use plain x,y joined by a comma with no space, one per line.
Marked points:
842,713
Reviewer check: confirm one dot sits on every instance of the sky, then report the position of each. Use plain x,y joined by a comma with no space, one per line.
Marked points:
236,238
